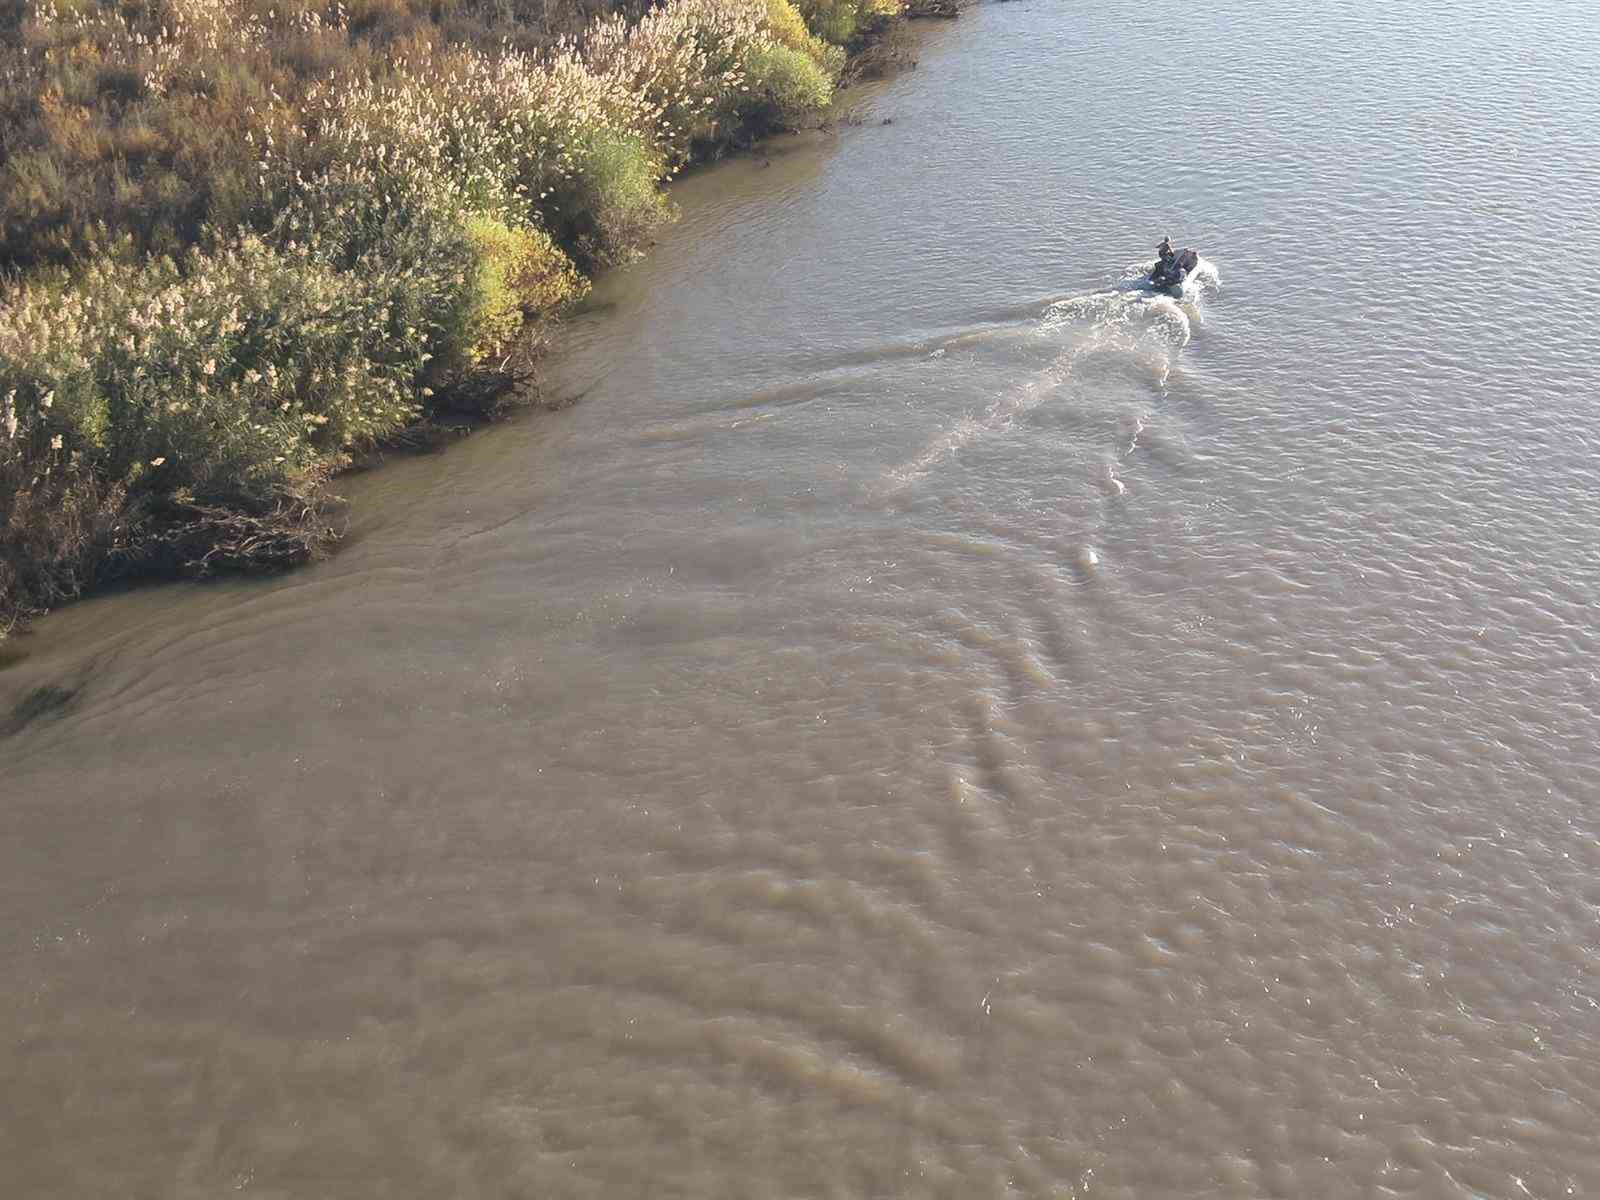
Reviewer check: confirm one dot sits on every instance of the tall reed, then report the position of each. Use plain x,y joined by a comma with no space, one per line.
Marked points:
250,238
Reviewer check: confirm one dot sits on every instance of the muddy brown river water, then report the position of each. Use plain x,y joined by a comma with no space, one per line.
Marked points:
932,720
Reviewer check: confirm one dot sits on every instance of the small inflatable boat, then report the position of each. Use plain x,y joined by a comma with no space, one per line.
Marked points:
1172,268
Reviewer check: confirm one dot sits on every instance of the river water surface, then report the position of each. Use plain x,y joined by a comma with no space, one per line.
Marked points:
931,720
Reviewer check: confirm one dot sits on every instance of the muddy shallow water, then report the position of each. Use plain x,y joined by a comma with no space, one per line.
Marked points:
933,720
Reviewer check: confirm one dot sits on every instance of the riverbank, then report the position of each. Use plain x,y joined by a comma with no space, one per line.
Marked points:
253,244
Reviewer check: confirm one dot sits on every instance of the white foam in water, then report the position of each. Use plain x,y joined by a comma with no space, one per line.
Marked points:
1129,318
999,415
1140,424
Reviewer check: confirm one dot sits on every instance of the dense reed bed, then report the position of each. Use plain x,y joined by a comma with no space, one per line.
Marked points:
245,241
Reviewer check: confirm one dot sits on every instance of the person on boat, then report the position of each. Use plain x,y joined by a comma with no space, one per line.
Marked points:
1165,271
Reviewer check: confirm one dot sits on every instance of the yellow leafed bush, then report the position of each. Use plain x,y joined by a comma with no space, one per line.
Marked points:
787,27
518,273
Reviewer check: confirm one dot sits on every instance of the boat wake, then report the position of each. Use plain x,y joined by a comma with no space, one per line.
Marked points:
1145,327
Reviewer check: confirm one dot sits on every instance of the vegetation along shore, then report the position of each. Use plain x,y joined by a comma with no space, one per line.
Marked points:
246,241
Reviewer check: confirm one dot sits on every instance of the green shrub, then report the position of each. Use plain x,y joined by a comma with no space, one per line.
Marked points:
787,27
217,384
840,21
229,371
56,517
787,84
607,205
